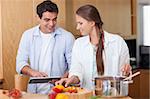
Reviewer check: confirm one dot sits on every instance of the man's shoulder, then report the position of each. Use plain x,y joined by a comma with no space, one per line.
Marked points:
29,33
32,29
64,32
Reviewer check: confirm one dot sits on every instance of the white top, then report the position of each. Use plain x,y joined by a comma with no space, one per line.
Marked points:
115,55
45,60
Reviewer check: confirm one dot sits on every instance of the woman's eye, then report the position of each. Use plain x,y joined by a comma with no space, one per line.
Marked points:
80,23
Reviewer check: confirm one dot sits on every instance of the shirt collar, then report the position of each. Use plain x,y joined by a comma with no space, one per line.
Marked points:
108,38
36,32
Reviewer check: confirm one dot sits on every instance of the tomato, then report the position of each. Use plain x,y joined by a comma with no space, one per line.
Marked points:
52,95
15,93
58,88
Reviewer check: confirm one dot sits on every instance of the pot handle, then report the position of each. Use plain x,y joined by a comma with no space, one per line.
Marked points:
133,75
128,82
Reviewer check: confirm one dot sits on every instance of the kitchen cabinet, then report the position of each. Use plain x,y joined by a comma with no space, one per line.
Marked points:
139,89
119,16
16,16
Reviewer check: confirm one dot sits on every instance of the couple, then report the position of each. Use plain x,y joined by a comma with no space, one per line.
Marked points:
46,50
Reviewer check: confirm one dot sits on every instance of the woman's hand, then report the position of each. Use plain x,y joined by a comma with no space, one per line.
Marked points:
126,70
67,81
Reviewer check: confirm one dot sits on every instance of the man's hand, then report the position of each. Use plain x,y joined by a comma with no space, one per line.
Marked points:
32,73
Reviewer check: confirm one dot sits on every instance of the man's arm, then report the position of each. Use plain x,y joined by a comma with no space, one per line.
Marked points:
32,73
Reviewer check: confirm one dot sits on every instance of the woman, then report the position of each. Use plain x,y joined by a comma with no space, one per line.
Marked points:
115,53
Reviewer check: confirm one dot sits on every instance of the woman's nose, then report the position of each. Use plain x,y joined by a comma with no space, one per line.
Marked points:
77,27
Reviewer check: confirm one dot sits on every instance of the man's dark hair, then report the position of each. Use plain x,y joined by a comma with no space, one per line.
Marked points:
46,6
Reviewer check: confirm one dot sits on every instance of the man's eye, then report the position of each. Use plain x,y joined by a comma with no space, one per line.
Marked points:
46,20
55,19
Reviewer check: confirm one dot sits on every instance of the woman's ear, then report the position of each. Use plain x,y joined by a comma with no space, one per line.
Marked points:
92,23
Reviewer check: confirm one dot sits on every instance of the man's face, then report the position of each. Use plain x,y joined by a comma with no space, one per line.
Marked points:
48,22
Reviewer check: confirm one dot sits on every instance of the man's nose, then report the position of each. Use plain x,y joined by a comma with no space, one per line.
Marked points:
51,23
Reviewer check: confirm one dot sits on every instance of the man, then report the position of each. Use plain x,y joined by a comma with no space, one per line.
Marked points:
45,50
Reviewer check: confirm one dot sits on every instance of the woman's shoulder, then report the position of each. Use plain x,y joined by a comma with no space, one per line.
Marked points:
112,36
83,39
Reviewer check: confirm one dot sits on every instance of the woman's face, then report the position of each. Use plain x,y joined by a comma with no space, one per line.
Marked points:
83,25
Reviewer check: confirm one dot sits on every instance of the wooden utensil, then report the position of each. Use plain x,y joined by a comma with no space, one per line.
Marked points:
133,75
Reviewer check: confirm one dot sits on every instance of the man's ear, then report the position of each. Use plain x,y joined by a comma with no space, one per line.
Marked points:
38,18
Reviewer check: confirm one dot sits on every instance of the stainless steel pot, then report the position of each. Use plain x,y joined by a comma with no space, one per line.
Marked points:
111,86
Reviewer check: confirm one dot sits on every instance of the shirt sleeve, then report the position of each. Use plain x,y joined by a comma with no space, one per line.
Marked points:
23,53
68,50
76,68
124,54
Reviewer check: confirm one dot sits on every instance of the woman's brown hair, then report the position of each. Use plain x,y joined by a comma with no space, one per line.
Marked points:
90,13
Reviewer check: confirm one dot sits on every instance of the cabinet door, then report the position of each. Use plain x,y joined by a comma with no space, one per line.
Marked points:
16,17
116,14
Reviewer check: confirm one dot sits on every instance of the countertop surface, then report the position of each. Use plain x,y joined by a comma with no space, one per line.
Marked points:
40,96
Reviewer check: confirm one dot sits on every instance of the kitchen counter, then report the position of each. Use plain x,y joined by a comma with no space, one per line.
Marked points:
40,96
25,96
